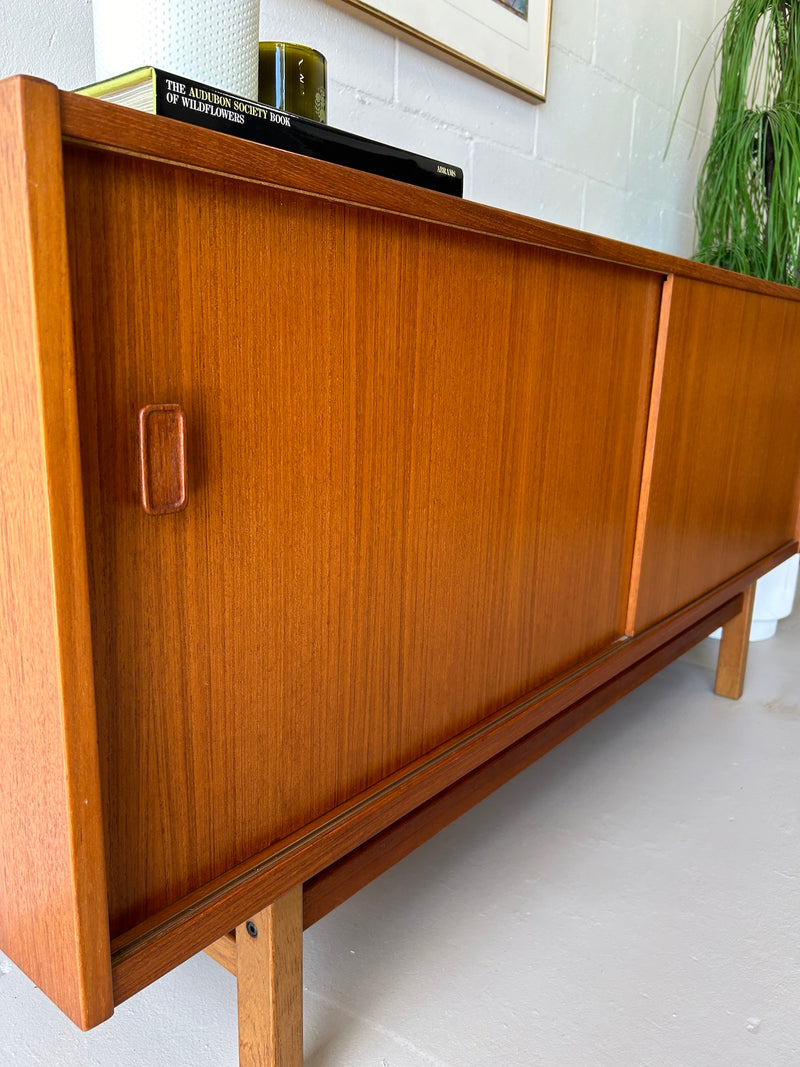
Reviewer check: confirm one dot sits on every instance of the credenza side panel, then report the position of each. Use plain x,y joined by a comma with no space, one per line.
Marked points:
53,911
413,459
724,481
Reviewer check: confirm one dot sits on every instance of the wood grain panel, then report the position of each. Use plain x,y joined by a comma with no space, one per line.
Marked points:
412,459
723,490
53,920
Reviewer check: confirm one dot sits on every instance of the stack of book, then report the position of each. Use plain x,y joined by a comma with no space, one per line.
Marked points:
156,91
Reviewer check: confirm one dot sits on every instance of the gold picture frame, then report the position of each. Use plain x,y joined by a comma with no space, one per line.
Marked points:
489,37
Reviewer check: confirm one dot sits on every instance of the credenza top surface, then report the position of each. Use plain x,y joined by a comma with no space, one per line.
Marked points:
119,129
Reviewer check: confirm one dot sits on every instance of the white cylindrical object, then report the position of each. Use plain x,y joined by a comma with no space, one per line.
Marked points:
774,599
212,41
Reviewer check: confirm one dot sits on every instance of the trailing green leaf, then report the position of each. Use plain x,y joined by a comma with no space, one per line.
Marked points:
747,203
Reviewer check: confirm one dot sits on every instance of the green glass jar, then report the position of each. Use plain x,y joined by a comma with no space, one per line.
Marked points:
292,77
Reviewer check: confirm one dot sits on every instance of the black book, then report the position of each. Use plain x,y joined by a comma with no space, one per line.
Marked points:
156,91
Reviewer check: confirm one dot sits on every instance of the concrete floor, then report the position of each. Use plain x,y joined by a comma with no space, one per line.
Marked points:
629,901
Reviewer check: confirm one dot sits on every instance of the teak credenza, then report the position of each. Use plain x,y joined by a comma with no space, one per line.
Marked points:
328,505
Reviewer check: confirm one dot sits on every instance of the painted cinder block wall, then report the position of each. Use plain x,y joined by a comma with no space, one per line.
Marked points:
590,157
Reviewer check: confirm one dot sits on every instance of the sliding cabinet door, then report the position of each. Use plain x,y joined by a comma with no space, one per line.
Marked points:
412,469
726,446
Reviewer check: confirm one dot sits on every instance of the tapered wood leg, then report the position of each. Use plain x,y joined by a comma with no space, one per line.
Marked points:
269,972
732,662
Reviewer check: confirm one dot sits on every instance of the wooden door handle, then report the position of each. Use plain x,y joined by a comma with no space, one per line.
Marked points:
162,458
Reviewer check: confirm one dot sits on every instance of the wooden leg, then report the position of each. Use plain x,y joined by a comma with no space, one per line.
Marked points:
269,972
224,952
732,662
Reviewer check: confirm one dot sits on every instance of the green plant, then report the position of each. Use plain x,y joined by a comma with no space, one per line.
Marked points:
747,203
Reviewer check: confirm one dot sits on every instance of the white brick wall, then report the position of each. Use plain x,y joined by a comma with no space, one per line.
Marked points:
50,39
590,157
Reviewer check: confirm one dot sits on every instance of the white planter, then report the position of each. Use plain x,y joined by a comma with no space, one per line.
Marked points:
212,41
774,600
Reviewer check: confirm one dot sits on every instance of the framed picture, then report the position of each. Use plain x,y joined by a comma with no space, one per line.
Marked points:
506,41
